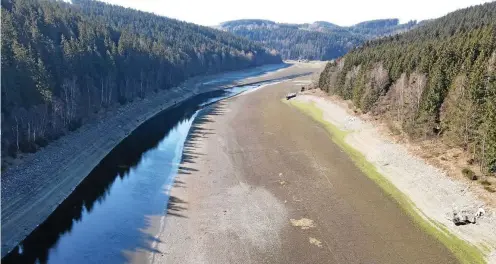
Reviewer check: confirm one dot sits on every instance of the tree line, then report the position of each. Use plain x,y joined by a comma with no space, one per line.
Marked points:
316,41
438,80
64,63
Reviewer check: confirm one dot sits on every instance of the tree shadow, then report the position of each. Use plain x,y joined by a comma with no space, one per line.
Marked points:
198,131
96,187
175,206
179,184
120,164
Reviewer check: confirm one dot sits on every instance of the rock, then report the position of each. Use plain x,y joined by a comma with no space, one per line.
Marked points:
456,218
462,218
480,212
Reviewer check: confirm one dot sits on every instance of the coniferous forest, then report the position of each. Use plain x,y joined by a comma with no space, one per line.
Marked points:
316,41
64,62
436,81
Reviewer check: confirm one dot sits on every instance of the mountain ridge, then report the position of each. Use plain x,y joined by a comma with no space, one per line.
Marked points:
319,40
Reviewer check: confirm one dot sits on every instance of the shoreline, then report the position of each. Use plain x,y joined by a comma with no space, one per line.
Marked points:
423,191
29,195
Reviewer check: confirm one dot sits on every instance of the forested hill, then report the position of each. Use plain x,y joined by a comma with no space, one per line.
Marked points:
316,41
62,63
438,80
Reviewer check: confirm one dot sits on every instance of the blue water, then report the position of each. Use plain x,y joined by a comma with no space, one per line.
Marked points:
114,223
105,217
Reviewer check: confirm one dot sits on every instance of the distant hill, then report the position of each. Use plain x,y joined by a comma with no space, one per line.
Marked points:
437,80
319,40
381,27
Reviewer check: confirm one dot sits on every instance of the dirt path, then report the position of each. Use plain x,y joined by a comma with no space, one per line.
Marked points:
32,190
262,183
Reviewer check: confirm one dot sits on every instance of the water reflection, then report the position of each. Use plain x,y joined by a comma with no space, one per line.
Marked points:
105,214
152,139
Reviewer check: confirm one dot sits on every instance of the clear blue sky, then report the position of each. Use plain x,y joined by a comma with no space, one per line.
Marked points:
342,12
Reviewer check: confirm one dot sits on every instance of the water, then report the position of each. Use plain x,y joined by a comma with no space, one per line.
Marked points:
105,216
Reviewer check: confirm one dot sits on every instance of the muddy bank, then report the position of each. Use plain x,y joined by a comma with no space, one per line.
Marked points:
264,184
428,189
34,188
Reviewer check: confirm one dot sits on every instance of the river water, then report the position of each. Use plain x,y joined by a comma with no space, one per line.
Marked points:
106,214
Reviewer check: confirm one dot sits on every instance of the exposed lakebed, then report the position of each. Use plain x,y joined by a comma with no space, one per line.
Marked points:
106,214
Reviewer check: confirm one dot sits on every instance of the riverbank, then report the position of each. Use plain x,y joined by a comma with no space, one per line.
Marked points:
35,187
261,179
424,191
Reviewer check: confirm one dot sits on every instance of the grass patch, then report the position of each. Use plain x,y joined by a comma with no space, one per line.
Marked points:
489,189
485,183
469,174
464,251
393,129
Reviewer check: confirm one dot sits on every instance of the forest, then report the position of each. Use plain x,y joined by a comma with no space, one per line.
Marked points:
64,63
316,41
437,81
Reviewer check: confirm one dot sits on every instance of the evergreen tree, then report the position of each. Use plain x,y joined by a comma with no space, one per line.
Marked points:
449,65
63,62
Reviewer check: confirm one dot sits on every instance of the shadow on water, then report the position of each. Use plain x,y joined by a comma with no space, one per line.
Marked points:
97,185
105,215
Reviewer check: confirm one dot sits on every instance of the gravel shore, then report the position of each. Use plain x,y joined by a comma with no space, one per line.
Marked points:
34,188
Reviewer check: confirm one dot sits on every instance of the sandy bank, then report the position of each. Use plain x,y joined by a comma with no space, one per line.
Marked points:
430,189
34,188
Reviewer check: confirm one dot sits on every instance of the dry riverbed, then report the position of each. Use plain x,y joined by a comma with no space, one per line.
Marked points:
431,191
261,182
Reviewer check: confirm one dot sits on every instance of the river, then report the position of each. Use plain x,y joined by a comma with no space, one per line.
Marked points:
104,218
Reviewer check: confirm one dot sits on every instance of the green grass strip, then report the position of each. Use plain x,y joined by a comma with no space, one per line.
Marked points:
463,250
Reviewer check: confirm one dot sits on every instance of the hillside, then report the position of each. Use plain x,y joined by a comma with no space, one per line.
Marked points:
64,63
437,81
381,27
316,41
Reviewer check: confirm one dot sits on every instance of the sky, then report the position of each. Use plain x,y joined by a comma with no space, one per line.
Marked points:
342,12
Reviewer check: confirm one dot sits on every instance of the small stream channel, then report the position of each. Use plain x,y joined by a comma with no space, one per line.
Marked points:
106,214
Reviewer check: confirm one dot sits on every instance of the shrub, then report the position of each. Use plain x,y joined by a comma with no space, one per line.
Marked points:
12,151
42,142
485,183
489,189
27,147
469,174
75,124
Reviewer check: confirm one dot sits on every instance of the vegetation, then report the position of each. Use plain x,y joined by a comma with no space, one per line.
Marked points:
317,41
381,27
463,250
63,63
489,189
469,174
435,81
485,183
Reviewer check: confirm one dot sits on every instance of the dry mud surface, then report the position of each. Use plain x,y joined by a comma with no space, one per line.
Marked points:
432,191
263,183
